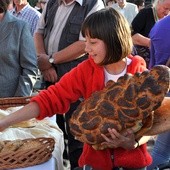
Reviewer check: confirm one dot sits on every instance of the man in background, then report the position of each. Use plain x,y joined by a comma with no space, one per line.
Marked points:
127,9
24,11
160,55
60,47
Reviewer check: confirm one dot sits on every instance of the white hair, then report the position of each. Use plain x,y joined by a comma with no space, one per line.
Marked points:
156,2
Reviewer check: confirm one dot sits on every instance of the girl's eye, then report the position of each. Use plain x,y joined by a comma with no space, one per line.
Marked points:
92,42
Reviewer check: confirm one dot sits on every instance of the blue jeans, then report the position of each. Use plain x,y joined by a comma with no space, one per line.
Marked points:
161,150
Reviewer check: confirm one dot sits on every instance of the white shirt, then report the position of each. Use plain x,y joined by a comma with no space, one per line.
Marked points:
129,11
60,21
115,77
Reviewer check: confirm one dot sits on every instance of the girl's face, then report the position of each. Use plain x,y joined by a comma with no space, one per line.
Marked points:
96,49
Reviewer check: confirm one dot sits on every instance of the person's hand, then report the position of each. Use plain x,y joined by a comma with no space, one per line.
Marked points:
50,75
125,140
43,63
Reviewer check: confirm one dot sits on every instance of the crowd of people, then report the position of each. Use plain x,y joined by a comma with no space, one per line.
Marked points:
93,41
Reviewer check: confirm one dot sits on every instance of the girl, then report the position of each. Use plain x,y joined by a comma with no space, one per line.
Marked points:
109,45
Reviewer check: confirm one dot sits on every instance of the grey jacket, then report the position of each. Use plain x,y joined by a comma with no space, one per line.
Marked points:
18,62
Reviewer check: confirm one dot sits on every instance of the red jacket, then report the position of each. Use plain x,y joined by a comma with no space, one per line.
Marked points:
82,81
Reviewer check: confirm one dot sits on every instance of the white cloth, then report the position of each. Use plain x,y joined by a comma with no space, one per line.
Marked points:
43,128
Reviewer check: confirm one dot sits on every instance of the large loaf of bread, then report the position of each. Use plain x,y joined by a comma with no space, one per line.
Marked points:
128,103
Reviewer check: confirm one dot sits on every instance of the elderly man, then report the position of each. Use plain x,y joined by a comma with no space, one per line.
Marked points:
27,13
143,23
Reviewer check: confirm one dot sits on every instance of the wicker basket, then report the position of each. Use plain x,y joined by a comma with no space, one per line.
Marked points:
25,153
14,102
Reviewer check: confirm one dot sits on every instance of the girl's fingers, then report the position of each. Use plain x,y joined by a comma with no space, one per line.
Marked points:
106,138
114,134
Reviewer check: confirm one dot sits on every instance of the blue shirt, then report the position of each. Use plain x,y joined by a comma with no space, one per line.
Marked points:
28,14
160,42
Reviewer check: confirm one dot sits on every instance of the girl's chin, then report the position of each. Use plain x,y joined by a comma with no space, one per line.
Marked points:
96,62
96,59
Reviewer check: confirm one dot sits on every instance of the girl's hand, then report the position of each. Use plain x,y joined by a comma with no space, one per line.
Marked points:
125,140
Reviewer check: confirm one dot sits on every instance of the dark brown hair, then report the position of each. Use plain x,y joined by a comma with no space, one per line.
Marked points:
112,28
4,5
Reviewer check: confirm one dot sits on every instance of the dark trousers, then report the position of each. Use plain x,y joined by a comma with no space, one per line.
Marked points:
74,146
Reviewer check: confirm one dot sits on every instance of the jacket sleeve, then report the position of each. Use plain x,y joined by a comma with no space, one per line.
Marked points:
57,98
139,22
28,63
138,64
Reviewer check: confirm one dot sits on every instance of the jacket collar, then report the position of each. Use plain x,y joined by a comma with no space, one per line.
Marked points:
8,18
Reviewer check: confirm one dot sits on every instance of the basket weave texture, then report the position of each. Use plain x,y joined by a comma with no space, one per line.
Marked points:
14,101
25,153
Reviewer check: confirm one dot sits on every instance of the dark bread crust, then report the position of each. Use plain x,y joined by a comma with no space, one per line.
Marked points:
128,103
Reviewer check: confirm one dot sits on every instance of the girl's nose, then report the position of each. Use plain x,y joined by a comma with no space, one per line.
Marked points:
87,48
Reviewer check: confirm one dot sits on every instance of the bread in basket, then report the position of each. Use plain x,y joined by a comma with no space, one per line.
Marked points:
26,152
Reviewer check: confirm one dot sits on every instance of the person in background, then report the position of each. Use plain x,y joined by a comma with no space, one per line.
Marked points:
127,9
149,3
11,5
60,47
159,50
38,7
160,55
42,3
140,4
18,60
110,3
27,13
143,23
107,61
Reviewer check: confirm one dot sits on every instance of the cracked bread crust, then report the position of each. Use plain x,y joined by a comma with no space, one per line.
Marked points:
128,103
